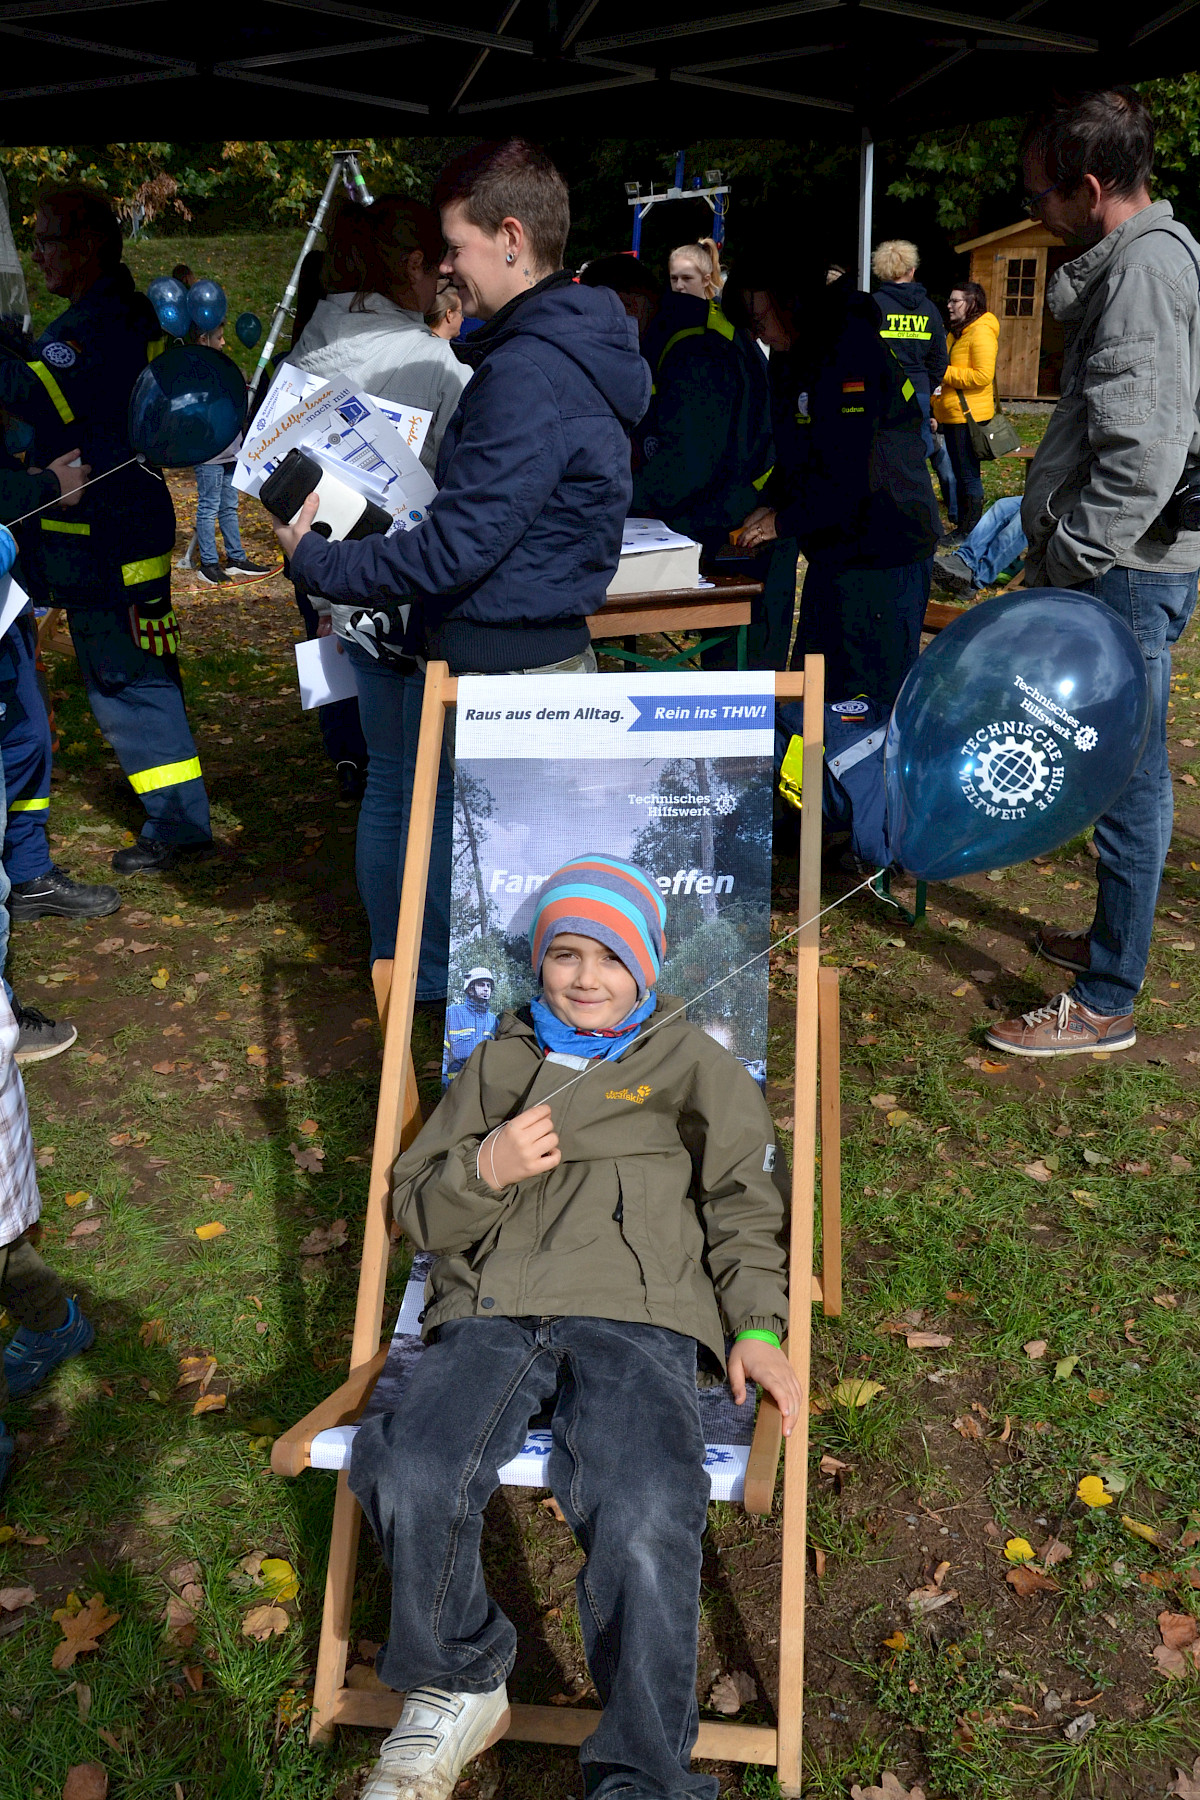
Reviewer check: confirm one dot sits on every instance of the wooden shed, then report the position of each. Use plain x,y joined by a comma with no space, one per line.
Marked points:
1012,267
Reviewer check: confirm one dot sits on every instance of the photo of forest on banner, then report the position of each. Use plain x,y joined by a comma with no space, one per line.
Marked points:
597,763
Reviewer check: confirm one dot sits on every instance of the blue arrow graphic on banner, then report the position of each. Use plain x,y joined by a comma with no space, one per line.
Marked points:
718,712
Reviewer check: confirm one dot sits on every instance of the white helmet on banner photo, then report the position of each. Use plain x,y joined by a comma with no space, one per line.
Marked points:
474,975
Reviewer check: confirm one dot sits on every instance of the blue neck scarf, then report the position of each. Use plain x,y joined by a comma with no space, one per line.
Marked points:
603,1046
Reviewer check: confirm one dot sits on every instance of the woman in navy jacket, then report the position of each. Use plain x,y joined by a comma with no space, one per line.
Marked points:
524,536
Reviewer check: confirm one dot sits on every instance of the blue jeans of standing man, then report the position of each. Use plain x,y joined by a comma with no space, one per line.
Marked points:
996,541
217,503
1134,835
968,482
627,1468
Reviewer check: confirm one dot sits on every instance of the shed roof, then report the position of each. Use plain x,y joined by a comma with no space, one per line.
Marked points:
1006,231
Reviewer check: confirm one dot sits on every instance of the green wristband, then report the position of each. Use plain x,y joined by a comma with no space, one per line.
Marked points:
766,1337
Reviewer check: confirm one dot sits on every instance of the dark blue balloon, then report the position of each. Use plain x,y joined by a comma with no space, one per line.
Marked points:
173,319
1015,730
249,329
186,406
207,305
8,550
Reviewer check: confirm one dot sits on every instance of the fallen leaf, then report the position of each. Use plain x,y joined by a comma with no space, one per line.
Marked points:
819,1561
106,946
930,1599
323,1238
731,1692
1037,1171
1035,1349
897,1116
1027,1581
1185,1786
1065,1367
140,949
256,1054
969,1428
263,1622
309,1127
196,1368
1080,1726
85,1781
1092,1492
898,1641
79,1198
82,1630
280,1581
1018,1550
83,1700
551,1506
1054,1551
856,1392
153,1331
13,1598
215,1230
889,1787
86,1227
884,1102
1093,1158
209,1403
927,1340
312,1161
160,978
963,988
1147,1533
830,1465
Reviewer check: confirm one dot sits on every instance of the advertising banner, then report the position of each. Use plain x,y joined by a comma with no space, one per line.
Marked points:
672,772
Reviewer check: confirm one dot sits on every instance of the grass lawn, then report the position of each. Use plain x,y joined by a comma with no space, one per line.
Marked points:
227,1030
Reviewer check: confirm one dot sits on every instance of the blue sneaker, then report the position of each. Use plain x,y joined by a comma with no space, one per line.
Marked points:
7,1451
31,1355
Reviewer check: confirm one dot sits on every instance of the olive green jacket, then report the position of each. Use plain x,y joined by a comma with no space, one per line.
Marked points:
668,1207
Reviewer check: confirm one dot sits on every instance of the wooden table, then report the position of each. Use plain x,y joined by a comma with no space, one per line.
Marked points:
722,609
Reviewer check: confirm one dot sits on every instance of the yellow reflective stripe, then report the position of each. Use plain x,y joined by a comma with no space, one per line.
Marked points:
151,568
791,773
29,805
155,347
687,332
762,481
55,392
908,390
68,526
147,781
718,322
906,334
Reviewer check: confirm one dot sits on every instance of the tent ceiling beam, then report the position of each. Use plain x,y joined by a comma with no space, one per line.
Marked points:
980,27
230,72
640,78
438,28
502,25
663,34
360,47
1167,18
754,62
577,24
759,93
49,9
98,82
950,62
32,35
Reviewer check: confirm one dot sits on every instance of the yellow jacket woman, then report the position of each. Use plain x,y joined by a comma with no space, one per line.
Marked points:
971,371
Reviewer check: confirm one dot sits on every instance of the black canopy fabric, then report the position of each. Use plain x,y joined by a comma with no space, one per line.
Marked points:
87,70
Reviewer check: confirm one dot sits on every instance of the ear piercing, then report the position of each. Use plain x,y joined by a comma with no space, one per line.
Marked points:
510,257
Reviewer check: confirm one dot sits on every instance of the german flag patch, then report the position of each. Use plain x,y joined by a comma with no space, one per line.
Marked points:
854,387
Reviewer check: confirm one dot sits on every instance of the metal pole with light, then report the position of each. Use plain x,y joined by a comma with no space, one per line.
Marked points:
715,191
866,201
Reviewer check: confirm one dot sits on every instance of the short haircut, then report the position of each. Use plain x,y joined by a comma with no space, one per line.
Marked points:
623,273
975,298
512,180
1108,133
366,242
893,258
86,212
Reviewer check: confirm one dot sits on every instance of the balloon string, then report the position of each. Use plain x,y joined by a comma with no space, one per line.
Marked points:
83,484
740,970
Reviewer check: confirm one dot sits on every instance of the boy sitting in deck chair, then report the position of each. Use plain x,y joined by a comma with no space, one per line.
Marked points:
600,1229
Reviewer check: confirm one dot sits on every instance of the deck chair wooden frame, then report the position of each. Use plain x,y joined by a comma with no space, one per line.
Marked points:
397,1123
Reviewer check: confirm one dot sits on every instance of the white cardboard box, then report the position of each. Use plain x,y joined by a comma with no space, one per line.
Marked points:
654,559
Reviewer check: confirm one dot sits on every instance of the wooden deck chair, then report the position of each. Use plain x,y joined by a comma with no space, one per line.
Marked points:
321,1438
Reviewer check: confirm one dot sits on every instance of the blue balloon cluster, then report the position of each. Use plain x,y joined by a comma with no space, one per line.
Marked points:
8,550
186,406
207,305
1016,729
169,298
249,329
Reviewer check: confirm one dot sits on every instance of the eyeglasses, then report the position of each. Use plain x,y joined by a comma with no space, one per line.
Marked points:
1033,201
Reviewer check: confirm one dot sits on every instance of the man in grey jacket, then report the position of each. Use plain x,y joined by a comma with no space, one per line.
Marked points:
1122,438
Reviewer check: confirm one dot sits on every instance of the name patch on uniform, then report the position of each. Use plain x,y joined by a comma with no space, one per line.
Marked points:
59,356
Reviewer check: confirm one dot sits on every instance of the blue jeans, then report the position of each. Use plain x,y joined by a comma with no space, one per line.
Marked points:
866,623
968,481
627,1468
996,541
1134,835
217,502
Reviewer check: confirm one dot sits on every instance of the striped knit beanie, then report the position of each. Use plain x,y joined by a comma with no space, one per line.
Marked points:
604,898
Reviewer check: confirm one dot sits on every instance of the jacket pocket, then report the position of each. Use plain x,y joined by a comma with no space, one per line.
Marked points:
1119,382
652,1229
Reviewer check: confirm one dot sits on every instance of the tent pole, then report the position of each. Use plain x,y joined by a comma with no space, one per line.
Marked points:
866,198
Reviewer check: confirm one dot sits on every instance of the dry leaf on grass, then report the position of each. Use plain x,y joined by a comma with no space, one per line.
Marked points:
1179,1652
279,1580
856,1392
194,1369
1092,1491
82,1630
87,1228
263,1622
1018,1550
1054,1551
1037,1171
969,1428
323,1238
830,1465
731,1692
153,1331
1035,1349
889,1788
928,1340
205,1232
311,1161
180,1618
1027,1581
1185,1786
209,1403
1147,1533
884,1102
86,1781
13,1598
362,1675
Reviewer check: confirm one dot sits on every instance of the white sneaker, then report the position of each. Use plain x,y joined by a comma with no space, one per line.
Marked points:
437,1736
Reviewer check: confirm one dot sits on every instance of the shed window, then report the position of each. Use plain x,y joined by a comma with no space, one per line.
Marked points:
1020,281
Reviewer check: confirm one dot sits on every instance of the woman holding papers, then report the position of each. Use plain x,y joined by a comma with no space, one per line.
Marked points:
525,533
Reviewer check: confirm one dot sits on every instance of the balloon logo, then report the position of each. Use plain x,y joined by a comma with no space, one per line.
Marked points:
206,304
249,329
169,298
186,407
8,550
1016,729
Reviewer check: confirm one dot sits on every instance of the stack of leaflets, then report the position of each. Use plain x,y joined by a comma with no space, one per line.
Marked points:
654,559
372,445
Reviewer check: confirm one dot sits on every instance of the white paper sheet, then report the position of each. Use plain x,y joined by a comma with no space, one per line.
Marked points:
13,601
325,672
640,535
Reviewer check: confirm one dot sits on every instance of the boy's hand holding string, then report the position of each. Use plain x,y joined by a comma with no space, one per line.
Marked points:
528,1146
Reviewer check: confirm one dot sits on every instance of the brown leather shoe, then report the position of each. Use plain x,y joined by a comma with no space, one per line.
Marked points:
1063,1027
1069,949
